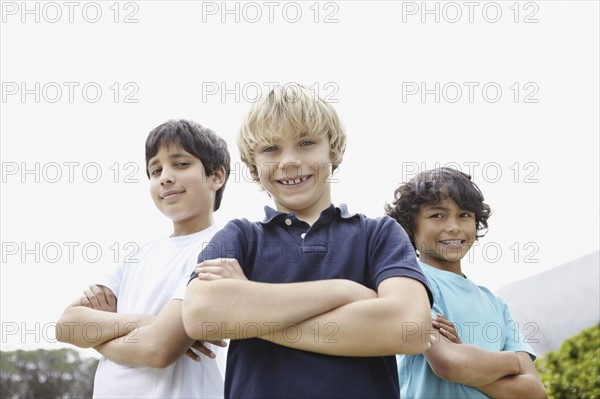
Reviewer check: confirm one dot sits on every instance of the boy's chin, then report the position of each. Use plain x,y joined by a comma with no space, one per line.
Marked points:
448,257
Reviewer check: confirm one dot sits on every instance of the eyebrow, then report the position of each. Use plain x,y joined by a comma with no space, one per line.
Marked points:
175,155
443,208
436,207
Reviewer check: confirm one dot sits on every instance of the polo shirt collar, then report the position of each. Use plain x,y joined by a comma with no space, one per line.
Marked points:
329,213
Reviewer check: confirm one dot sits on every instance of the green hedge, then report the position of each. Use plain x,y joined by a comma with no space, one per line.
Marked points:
574,370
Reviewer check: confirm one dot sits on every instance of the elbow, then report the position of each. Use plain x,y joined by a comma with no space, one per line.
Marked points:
542,394
192,327
412,344
60,333
539,391
415,334
446,368
162,358
195,309
156,351
451,366
65,332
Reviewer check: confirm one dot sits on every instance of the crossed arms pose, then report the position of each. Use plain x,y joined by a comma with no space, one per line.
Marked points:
127,338
505,374
228,301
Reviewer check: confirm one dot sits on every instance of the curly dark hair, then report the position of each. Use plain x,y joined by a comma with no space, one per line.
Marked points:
431,187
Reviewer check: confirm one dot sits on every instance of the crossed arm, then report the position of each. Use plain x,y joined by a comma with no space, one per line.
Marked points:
497,374
92,319
154,341
222,303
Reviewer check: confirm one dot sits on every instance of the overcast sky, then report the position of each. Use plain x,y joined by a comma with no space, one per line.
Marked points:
505,91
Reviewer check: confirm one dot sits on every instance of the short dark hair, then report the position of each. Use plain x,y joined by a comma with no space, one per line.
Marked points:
196,139
431,187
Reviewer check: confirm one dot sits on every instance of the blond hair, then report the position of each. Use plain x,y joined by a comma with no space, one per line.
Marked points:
291,110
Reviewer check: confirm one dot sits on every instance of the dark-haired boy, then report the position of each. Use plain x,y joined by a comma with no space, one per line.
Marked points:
139,302
443,211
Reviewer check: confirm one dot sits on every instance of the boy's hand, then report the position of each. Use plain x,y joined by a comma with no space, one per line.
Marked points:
446,328
200,347
99,297
216,269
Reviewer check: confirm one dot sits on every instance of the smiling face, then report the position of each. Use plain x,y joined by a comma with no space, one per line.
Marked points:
295,170
181,190
444,233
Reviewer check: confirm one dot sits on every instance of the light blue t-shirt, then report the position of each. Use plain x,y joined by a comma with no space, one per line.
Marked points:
480,317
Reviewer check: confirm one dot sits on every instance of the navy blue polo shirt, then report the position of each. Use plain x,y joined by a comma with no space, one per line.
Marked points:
283,249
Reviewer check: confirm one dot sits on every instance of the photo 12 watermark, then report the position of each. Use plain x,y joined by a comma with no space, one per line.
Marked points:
72,252
477,331
252,12
70,92
470,92
515,252
71,172
251,92
452,12
289,332
37,332
517,172
70,12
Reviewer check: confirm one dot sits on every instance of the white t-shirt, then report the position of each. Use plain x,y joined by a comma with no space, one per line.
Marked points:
156,274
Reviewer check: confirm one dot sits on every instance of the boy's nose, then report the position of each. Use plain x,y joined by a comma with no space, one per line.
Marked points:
452,226
289,160
166,176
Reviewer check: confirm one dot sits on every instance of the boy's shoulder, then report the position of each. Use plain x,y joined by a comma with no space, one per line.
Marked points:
167,242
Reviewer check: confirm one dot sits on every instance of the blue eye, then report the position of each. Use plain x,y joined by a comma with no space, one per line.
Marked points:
269,149
306,142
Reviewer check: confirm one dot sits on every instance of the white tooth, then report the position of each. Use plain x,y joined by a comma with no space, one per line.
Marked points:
297,181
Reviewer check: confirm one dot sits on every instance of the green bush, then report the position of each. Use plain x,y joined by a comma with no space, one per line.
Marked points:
574,370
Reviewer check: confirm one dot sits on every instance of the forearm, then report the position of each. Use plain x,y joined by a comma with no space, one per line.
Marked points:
357,329
470,365
158,344
238,309
527,384
140,348
85,327
515,386
386,325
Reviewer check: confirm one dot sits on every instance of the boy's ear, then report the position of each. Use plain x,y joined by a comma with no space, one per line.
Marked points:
336,162
335,166
218,177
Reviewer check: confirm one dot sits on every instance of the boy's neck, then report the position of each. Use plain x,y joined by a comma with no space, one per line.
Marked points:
312,212
187,227
448,266
309,216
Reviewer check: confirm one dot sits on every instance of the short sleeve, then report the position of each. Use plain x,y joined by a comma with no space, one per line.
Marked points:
514,340
113,279
229,242
437,303
392,255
